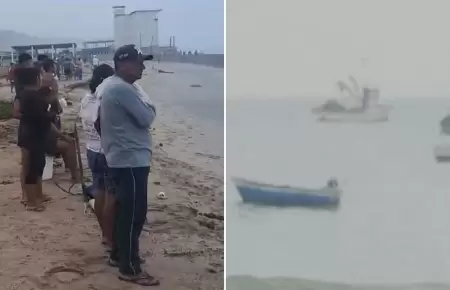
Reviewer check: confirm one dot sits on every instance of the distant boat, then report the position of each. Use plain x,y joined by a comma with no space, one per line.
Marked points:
442,150
276,195
376,113
367,109
442,153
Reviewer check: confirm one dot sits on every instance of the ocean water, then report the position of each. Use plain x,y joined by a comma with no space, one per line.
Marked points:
393,225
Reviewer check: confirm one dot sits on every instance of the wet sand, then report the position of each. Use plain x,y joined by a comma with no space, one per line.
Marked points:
182,242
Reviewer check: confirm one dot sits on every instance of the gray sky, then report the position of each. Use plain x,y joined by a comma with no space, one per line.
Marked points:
301,48
197,24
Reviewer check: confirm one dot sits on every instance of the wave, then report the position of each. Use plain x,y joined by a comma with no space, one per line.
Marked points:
254,283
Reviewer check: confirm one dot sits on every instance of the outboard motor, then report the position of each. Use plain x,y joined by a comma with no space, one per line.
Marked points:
332,183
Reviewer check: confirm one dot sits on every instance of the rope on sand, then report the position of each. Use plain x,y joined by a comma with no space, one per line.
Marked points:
68,191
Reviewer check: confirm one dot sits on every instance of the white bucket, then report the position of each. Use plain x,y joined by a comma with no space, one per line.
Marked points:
48,169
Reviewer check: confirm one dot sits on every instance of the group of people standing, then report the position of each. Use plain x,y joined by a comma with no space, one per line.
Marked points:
116,116
37,107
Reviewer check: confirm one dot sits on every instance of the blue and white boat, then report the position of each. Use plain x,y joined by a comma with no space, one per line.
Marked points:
275,195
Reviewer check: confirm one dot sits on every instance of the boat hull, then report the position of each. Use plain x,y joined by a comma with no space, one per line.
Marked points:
285,197
378,113
442,153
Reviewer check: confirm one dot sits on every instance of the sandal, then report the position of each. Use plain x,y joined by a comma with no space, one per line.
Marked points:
35,208
47,198
115,264
142,279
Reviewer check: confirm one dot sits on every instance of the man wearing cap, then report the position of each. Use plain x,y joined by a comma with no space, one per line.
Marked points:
126,115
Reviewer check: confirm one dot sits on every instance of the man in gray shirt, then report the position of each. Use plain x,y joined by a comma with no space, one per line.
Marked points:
125,119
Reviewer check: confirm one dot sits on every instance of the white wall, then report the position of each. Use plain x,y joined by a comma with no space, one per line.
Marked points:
145,28
138,28
122,30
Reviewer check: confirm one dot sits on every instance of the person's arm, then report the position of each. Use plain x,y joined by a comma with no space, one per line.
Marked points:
97,126
16,108
140,112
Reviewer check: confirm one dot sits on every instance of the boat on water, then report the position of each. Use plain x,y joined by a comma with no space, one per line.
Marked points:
373,114
280,195
363,108
442,149
442,152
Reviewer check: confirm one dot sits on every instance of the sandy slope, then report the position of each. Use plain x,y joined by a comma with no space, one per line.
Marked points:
60,248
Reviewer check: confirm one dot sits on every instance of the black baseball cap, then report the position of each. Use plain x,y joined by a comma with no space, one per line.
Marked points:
130,52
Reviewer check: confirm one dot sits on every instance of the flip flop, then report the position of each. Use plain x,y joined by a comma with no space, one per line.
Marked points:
115,264
47,198
35,208
142,279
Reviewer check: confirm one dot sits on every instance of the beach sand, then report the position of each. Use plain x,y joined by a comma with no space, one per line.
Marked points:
60,248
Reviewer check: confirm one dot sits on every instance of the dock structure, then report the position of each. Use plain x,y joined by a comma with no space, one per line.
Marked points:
103,49
5,58
98,43
51,49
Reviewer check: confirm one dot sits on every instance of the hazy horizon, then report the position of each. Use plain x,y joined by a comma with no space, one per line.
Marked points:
302,48
197,25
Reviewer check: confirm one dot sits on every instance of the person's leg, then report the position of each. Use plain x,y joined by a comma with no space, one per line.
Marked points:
132,198
69,156
98,185
98,209
140,178
23,170
109,210
126,220
41,197
36,164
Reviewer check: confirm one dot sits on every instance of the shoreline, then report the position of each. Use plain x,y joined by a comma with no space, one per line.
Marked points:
60,248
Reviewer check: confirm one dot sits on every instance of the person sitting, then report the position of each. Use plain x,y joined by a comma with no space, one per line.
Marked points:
57,147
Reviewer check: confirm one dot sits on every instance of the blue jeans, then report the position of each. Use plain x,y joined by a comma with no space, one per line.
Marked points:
99,169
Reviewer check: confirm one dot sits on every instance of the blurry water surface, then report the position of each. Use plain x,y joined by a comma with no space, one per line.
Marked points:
393,225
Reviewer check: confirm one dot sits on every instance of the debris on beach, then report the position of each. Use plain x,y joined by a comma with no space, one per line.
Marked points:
161,195
164,72
210,156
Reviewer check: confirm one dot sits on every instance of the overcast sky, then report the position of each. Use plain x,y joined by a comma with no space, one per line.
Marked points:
197,24
302,47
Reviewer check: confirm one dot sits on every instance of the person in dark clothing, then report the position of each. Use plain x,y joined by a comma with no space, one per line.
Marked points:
35,124
24,60
68,68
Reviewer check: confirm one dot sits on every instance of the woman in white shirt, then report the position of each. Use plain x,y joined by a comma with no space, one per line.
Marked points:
96,159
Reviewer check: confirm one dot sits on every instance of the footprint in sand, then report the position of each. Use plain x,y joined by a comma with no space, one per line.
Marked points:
64,274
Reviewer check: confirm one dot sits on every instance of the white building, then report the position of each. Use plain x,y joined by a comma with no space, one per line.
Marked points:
139,27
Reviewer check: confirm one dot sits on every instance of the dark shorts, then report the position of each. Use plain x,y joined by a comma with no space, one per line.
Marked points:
99,169
51,145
